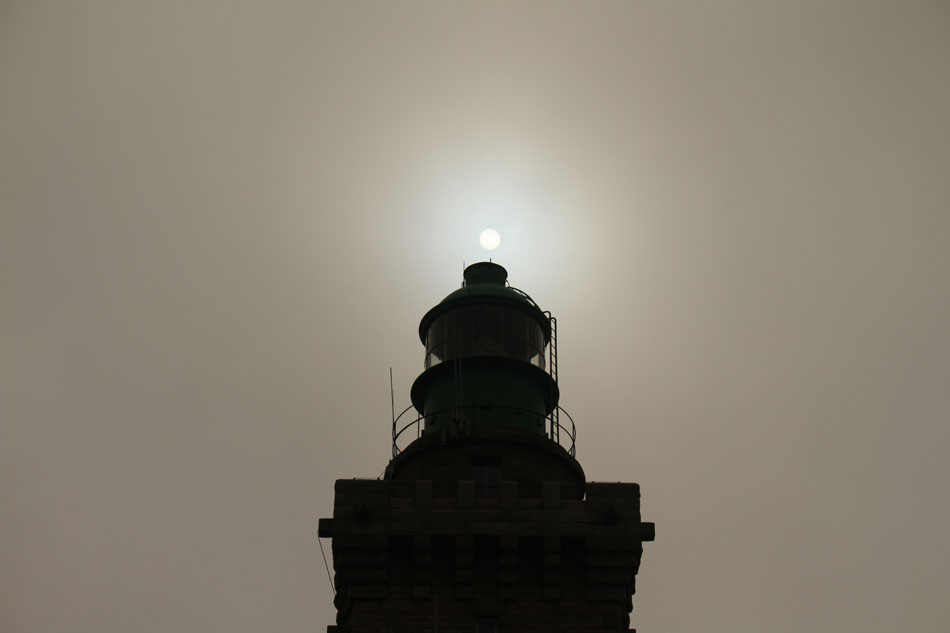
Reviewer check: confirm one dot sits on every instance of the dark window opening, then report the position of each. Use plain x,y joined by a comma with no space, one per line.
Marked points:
486,473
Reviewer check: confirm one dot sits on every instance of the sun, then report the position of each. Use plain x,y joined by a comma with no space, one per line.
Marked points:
490,239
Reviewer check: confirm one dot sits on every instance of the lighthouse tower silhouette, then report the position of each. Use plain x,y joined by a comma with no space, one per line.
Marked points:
483,521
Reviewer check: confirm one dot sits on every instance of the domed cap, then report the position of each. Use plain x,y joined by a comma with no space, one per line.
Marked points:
485,273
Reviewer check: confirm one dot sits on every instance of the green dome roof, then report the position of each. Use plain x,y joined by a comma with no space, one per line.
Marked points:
486,282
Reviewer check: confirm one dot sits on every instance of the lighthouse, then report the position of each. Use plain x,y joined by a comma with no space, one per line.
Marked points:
484,521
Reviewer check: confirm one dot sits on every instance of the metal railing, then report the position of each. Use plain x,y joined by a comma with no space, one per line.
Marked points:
525,295
414,427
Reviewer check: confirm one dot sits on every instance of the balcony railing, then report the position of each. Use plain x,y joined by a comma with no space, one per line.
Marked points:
408,428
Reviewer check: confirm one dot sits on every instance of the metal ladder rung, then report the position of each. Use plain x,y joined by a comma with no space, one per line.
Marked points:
552,361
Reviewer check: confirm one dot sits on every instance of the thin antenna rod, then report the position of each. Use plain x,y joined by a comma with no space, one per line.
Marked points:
392,397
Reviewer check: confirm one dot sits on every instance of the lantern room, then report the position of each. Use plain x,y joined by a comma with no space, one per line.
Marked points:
490,359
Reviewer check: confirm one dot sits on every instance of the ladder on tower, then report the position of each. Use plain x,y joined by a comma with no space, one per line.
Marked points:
552,368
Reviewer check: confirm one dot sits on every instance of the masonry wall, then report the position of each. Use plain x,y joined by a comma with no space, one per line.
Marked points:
411,553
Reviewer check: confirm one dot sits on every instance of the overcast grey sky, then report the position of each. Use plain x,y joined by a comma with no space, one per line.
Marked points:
221,222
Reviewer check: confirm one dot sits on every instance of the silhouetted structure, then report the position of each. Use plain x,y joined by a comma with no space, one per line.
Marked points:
484,522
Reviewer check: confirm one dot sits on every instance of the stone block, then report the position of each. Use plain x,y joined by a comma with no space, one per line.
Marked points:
647,531
407,527
466,495
607,593
489,504
373,591
607,541
618,495
423,494
536,528
485,528
530,516
551,495
529,504
400,503
608,576
572,505
629,560
360,541
508,495
348,491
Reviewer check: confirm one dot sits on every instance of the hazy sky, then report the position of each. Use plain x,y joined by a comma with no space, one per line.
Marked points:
221,222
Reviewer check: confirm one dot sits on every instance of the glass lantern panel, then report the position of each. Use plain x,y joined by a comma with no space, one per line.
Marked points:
485,330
